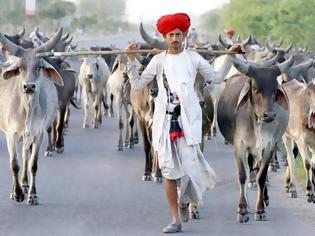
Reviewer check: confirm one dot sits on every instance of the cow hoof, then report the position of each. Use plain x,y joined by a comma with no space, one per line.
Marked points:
126,144
277,165
158,180
48,154
314,199
131,146
292,194
32,200
85,126
226,142
194,215
309,198
60,150
272,168
120,148
242,217
267,202
136,140
25,188
286,188
252,185
17,197
260,216
147,178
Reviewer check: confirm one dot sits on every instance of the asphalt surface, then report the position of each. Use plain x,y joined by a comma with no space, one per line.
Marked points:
93,189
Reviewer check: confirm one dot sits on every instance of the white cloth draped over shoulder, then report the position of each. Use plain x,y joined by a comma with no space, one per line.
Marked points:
190,111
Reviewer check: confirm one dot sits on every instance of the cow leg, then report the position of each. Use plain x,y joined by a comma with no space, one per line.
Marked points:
24,180
49,148
32,195
131,123
97,111
147,151
86,109
290,178
243,169
59,128
305,154
135,133
118,107
111,109
260,214
17,192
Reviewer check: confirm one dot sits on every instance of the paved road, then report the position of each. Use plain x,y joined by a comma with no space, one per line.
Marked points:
92,189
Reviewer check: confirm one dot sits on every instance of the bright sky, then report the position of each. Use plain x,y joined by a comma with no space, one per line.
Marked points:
151,10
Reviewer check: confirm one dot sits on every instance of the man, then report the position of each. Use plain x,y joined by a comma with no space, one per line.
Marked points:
176,131
230,34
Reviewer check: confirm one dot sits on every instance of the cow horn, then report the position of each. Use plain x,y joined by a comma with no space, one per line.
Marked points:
266,62
284,66
247,41
280,43
238,39
151,41
49,45
11,47
21,33
223,42
270,48
39,35
288,48
69,40
65,36
240,65
294,71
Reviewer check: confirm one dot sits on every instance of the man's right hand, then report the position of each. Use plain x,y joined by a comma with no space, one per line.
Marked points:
131,47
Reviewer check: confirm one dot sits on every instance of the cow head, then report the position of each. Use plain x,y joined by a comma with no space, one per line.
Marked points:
262,89
30,67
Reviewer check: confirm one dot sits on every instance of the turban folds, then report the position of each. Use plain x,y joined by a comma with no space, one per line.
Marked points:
169,23
230,32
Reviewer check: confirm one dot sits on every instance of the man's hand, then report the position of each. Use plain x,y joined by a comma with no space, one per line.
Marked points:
130,48
237,48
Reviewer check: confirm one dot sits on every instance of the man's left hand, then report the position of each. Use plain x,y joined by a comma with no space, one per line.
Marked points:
237,48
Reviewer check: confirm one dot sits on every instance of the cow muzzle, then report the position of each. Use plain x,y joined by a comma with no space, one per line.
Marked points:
29,88
268,116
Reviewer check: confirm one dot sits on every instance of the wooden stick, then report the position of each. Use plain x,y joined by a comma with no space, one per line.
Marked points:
117,52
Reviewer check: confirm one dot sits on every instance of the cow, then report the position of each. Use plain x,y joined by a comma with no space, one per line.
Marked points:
253,113
118,89
28,104
93,76
301,131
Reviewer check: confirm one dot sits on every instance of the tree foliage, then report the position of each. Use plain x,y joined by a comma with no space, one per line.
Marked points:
292,20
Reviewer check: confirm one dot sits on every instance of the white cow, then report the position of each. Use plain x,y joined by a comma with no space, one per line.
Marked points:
93,76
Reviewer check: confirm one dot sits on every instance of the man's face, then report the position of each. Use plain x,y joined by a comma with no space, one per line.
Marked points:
175,38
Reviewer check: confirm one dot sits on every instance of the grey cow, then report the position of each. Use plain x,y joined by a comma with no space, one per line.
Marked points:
253,113
28,105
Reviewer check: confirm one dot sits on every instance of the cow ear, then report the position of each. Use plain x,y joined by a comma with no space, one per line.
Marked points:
243,97
281,98
51,73
10,70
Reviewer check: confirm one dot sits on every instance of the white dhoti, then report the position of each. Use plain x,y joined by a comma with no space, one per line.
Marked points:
185,164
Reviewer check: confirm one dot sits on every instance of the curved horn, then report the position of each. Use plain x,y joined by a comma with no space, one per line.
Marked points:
284,66
69,40
65,36
270,48
238,38
49,45
21,34
240,65
12,48
288,48
223,42
153,42
247,41
266,62
280,43
39,35
296,70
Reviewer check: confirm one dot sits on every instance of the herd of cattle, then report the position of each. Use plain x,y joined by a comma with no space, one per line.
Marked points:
268,94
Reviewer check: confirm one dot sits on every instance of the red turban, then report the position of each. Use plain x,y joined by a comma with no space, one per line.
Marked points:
230,32
169,23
